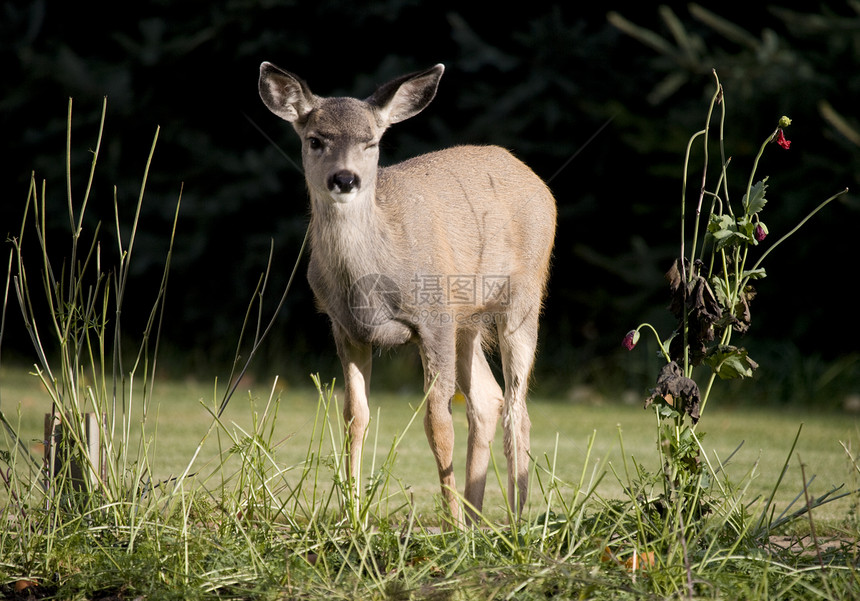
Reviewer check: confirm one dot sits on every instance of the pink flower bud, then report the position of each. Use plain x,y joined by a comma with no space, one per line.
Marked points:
760,233
780,139
630,339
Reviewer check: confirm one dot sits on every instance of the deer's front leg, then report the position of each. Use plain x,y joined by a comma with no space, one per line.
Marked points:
437,354
356,360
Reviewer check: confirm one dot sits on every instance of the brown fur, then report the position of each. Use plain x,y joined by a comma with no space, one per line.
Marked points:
444,250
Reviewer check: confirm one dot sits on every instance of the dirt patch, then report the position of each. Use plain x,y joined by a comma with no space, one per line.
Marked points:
826,548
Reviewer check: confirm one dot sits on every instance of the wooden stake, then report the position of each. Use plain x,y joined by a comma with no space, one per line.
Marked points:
58,450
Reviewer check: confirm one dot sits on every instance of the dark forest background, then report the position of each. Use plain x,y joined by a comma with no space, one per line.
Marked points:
600,101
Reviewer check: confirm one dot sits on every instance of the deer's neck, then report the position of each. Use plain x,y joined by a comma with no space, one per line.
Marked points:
352,238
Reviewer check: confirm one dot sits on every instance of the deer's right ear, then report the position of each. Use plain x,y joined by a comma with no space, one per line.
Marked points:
285,94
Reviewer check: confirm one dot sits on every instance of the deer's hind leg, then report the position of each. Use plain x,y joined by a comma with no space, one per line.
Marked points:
517,343
483,407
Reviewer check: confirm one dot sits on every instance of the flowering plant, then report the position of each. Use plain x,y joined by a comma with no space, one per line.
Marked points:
711,292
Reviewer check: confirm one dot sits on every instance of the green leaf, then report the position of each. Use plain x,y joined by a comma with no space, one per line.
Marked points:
756,200
666,410
746,229
721,291
724,231
730,362
720,223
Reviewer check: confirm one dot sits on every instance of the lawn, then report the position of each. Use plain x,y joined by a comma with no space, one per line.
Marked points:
575,439
258,513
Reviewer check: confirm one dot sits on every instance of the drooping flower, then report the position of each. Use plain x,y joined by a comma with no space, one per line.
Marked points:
780,139
630,339
760,232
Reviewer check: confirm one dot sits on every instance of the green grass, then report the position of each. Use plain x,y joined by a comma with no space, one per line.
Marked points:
258,514
561,432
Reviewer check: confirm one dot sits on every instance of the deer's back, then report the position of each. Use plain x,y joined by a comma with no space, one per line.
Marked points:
470,210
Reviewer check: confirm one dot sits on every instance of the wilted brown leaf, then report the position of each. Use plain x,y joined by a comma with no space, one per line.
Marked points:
696,300
672,384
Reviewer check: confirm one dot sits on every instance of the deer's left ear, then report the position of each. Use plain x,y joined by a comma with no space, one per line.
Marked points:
406,96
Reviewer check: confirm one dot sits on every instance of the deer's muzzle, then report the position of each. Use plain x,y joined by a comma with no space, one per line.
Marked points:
343,181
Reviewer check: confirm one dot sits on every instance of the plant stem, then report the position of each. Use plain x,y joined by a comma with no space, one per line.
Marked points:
706,131
797,227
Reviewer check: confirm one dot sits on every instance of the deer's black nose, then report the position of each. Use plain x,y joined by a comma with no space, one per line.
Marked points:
343,181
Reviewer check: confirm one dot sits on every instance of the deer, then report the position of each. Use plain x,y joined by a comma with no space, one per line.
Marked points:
448,250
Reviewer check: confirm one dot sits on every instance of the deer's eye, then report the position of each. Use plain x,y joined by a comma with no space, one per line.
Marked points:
314,143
